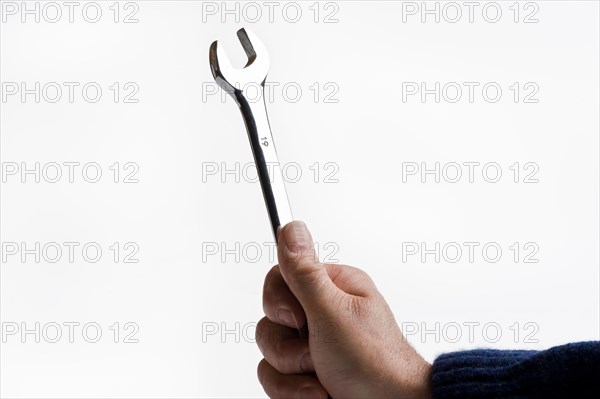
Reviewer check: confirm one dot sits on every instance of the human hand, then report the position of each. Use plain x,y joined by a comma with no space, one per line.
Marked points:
354,347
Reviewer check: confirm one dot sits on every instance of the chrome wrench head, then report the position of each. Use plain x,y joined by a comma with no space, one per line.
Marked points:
231,79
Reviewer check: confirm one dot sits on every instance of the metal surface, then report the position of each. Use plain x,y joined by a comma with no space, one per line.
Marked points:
255,117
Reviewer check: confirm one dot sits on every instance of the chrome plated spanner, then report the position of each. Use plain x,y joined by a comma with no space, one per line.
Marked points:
233,81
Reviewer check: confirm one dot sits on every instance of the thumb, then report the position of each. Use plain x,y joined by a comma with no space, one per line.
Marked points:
300,267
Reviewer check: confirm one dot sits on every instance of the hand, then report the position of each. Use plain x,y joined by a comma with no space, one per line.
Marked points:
353,349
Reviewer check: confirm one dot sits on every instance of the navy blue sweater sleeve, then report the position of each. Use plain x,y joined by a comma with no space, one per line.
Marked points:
568,371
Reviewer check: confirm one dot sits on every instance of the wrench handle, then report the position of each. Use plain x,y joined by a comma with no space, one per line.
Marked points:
266,160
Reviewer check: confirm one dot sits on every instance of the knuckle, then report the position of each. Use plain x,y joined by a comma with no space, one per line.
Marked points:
361,274
261,332
270,278
273,272
272,290
357,307
278,357
278,388
260,371
308,271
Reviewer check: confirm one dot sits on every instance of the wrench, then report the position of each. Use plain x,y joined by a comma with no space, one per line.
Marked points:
256,120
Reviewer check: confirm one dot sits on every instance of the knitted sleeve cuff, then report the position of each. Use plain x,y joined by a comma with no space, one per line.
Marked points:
569,370
478,374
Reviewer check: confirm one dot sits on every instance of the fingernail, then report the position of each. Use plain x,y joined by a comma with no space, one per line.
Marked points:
309,393
296,237
306,363
287,317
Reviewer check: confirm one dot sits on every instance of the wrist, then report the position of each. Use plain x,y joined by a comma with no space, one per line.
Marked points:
424,384
414,378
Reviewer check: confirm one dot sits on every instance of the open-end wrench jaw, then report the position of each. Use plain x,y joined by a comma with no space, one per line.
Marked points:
231,79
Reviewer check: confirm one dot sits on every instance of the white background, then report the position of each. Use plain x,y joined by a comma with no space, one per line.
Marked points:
178,291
